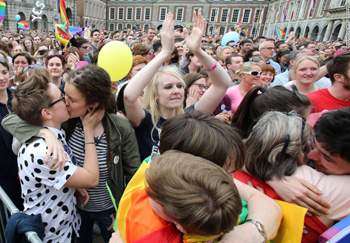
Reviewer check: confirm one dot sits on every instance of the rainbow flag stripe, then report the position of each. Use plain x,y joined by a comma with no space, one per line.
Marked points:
72,29
62,10
23,25
279,31
245,32
2,10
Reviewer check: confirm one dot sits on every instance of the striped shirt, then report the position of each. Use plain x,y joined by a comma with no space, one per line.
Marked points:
99,196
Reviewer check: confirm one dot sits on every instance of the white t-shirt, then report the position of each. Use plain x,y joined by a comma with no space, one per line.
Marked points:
44,192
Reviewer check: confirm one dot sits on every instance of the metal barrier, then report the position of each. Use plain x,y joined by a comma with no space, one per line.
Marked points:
7,208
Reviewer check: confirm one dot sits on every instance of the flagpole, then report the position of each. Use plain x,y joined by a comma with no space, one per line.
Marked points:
260,18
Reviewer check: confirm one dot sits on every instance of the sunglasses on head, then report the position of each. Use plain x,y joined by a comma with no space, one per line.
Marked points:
253,73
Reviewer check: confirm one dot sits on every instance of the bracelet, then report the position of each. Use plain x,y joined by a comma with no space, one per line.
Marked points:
89,142
259,226
212,68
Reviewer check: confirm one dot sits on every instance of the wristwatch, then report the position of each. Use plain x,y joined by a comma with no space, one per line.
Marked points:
260,227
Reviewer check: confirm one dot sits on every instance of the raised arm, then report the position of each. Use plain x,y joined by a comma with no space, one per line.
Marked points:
220,79
133,106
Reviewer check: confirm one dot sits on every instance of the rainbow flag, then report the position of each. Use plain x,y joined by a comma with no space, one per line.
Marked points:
2,10
279,31
23,25
72,29
62,10
245,32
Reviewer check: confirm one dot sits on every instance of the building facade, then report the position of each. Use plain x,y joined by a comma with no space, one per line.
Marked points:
91,13
321,20
220,14
41,14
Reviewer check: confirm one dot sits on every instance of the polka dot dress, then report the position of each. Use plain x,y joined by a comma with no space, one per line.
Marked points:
44,192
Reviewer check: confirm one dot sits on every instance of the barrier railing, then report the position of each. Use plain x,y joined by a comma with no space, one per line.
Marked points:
7,207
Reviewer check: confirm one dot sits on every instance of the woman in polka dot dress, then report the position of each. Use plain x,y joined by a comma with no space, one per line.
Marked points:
47,190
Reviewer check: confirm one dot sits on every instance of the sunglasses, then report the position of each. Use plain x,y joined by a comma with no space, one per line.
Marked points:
234,45
204,41
253,73
63,98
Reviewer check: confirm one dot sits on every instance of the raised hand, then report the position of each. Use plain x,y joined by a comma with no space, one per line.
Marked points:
167,34
193,41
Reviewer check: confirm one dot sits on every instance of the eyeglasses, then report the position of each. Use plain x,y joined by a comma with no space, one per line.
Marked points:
63,98
201,86
234,45
253,73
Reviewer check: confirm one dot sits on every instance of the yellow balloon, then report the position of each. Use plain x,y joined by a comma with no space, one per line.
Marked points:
116,58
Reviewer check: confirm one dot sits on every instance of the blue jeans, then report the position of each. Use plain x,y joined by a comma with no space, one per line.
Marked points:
87,223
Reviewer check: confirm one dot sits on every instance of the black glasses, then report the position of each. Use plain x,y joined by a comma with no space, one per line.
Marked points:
63,98
253,73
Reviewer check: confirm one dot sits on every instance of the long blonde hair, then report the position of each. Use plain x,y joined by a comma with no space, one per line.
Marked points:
150,102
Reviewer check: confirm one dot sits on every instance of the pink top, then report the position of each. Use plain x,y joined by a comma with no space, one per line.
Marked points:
235,97
334,188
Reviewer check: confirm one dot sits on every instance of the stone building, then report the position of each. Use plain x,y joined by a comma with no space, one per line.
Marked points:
91,13
221,14
40,18
320,20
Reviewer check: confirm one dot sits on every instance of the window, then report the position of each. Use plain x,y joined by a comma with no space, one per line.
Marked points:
246,15
120,13
224,14
111,13
138,27
162,13
324,3
111,27
138,13
254,31
145,27
257,15
90,9
147,13
211,29
235,15
305,10
86,8
120,26
179,14
128,26
93,11
213,14
222,30
342,3
129,13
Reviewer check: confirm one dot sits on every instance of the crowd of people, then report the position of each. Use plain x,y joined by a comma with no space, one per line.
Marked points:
194,144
